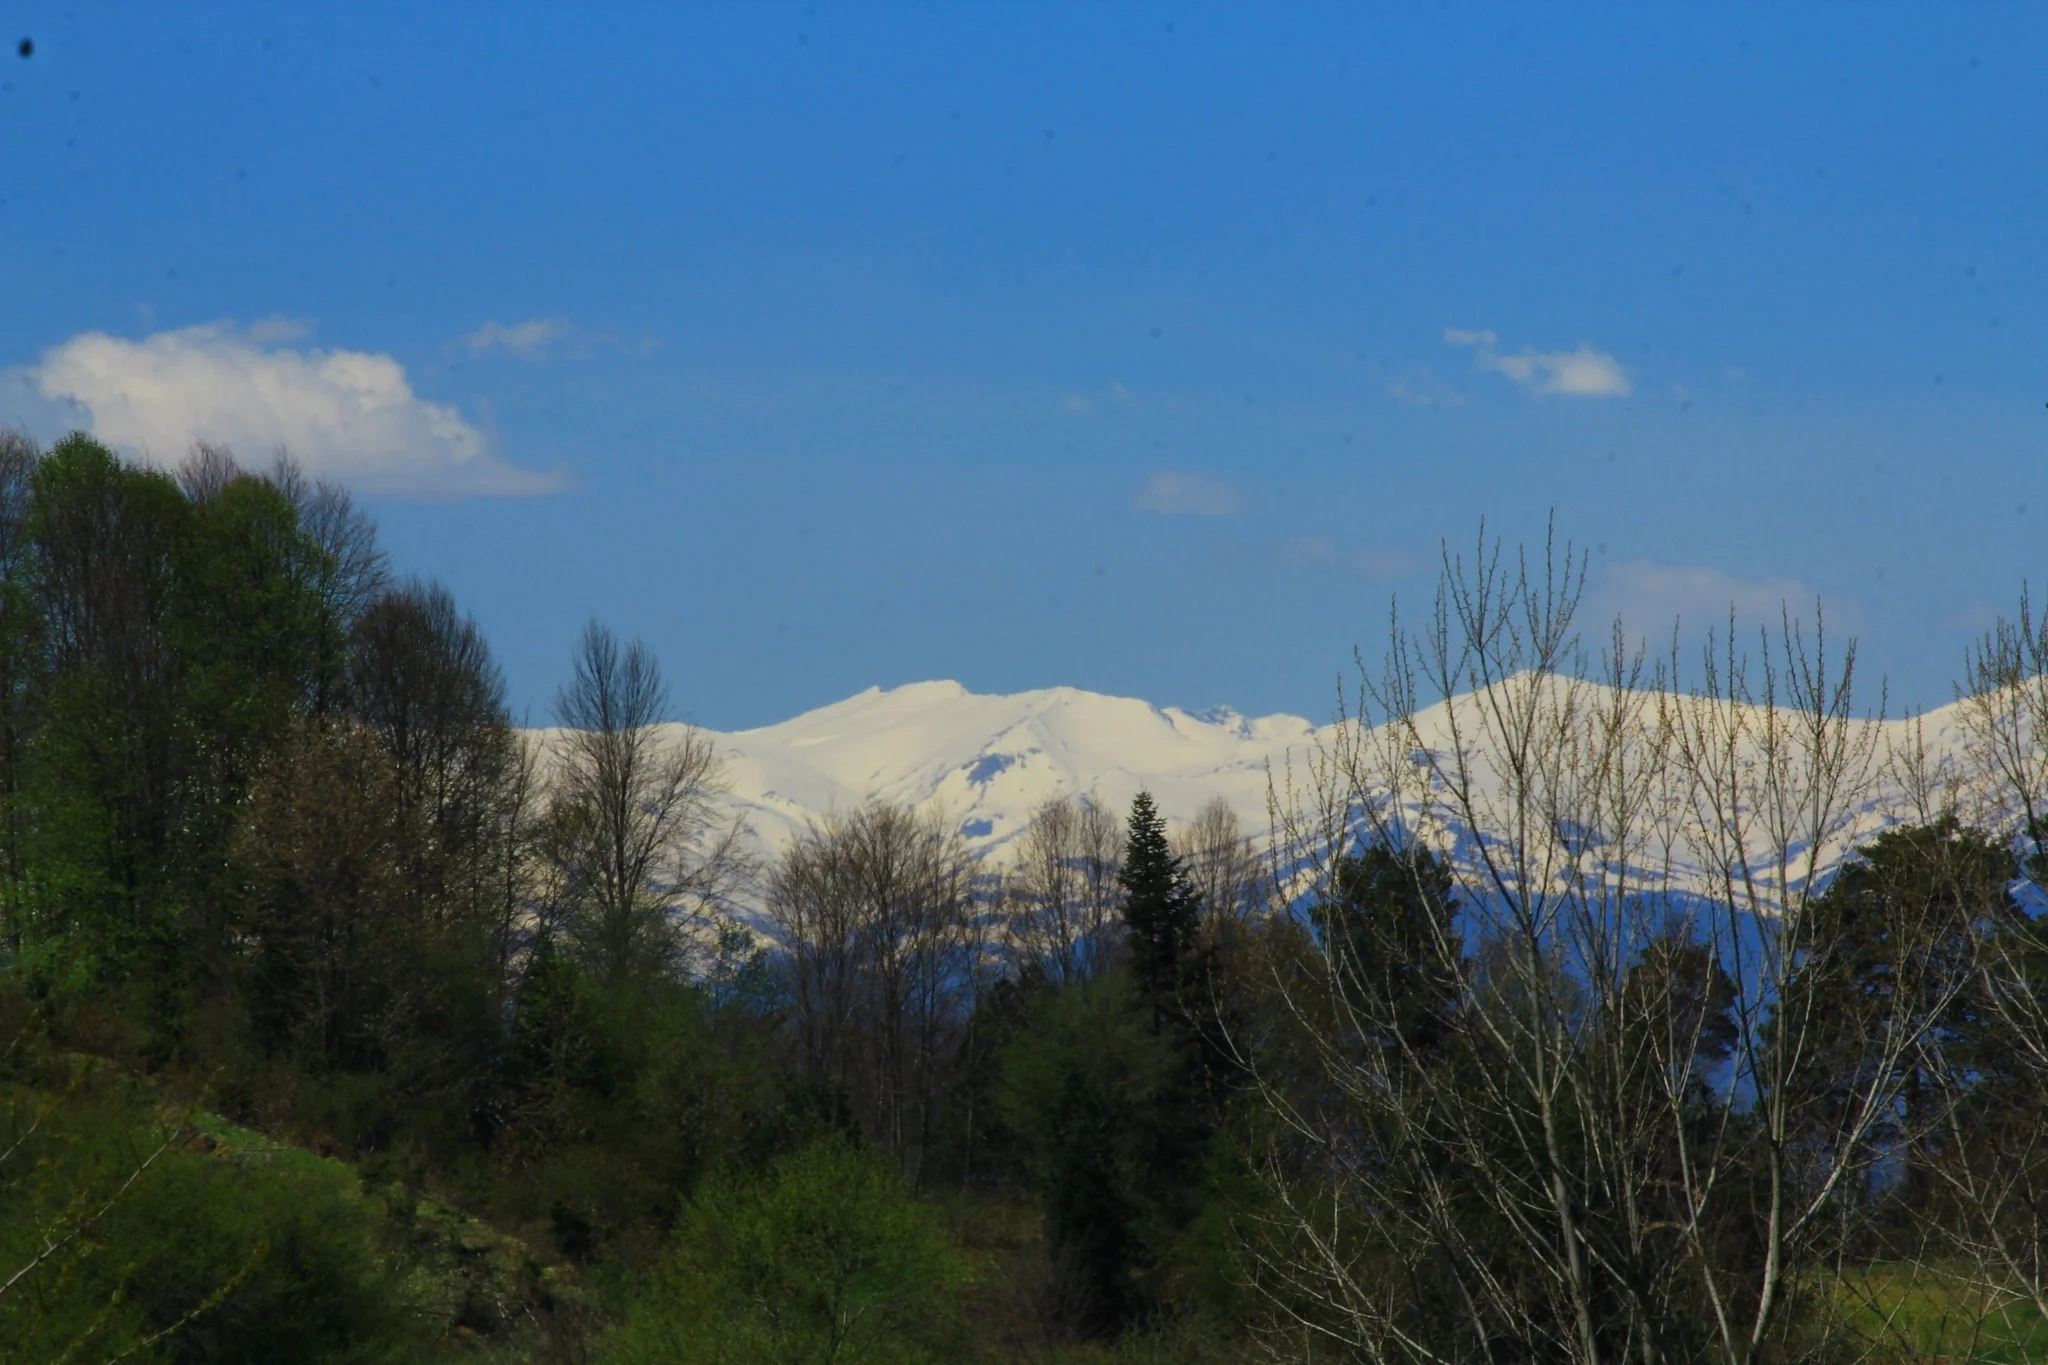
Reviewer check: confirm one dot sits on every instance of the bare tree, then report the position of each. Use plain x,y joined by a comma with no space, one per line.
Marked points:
1062,900
820,927
876,912
519,876
1223,867
1633,1143
2003,709
637,814
333,958
422,677
354,569
1992,1158
1778,770
206,472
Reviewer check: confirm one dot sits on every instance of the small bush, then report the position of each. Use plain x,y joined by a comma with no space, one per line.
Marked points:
823,1258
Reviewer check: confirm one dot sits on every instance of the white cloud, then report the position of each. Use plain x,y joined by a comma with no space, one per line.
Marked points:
1649,597
1582,373
1422,389
535,337
1323,552
1114,395
347,414
520,338
1178,493
1459,337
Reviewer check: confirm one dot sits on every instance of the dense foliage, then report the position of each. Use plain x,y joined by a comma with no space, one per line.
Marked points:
345,1021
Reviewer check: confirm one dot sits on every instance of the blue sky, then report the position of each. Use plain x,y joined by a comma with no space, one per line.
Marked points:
1144,349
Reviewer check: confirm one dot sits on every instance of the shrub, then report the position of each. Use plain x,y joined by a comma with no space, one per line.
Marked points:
821,1259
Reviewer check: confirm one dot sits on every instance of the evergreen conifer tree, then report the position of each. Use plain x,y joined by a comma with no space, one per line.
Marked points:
1160,909
1893,940
1390,929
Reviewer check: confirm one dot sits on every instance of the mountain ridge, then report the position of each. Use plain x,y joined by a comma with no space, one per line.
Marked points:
988,760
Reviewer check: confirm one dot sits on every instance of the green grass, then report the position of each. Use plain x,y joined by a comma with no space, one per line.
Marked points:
1929,1313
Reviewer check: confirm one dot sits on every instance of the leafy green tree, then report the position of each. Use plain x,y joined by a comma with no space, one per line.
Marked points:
106,832
558,1048
1115,1132
1084,1086
179,636
250,621
21,630
251,647
822,1259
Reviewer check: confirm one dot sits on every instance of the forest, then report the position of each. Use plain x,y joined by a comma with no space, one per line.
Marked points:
1568,1003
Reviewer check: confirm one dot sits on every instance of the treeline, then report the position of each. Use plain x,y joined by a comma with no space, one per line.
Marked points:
347,1020
277,867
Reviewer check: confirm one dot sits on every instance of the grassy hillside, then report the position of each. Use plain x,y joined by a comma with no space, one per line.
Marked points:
136,1228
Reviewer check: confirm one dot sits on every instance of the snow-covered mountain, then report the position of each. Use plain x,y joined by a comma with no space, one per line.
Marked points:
989,761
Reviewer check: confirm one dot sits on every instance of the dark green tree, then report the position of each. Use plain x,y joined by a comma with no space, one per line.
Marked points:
180,631
1092,1091
421,678
557,1046
1109,1090
1678,1006
1161,912
104,774
1389,928
1891,947
21,630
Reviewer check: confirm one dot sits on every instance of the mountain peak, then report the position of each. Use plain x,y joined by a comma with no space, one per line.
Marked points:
989,761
